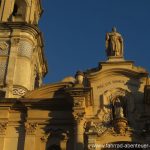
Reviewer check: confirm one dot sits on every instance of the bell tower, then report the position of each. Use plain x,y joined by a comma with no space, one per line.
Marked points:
22,61
28,11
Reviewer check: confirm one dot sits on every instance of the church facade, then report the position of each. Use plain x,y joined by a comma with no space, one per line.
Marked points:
106,107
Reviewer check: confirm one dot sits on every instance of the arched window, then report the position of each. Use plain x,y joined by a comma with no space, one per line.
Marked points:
54,147
15,10
19,9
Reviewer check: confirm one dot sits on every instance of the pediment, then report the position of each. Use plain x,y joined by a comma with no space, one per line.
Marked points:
117,79
123,68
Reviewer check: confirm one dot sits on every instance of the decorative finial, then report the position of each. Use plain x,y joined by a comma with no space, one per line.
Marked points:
79,78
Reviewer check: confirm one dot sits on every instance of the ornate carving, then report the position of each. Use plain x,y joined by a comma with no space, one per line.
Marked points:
120,126
3,126
105,115
78,115
116,93
31,127
78,102
25,49
114,43
15,41
20,91
91,146
44,138
96,128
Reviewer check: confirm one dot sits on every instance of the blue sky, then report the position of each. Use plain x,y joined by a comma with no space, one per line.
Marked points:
74,33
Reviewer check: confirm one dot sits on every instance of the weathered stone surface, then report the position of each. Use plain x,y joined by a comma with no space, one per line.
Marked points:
107,104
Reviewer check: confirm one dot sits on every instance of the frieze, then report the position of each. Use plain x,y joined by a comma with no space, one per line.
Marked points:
124,82
19,91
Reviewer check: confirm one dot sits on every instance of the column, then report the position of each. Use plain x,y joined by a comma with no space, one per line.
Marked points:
30,135
3,126
79,130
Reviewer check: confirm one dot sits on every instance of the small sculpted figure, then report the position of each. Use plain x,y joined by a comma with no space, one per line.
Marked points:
118,109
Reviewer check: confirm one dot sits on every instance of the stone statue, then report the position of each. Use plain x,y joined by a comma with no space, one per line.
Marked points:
118,109
114,43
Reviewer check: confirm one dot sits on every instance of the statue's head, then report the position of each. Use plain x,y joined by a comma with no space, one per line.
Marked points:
114,29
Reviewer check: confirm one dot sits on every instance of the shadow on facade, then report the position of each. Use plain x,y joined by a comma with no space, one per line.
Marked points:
19,106
59,128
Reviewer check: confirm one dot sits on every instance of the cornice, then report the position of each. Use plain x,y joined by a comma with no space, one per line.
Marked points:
11,27
129,72
19,25
45,90
23,104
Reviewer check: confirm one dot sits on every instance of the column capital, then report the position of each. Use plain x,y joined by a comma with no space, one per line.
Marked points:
31,127
15,41
3,127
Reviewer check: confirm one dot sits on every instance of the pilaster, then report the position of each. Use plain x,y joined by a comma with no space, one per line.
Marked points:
3,127
80,97
11,66
30,128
